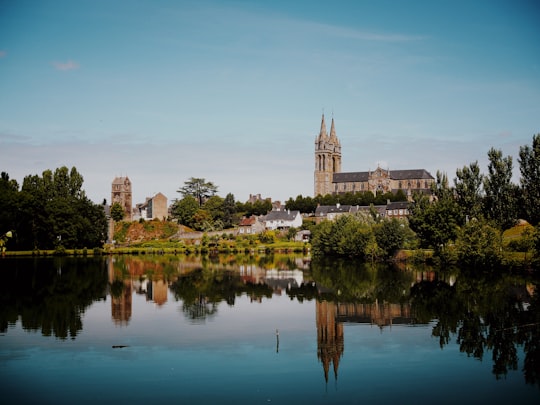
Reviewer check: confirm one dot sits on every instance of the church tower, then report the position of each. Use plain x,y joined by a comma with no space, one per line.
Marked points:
327,159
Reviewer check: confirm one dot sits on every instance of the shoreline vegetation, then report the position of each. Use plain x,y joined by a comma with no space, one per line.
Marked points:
250,247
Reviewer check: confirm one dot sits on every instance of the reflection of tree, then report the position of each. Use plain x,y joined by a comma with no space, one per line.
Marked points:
199,309
202,290
484,315
356,281
50,294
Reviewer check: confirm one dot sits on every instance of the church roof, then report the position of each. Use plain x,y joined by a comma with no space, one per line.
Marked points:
413,174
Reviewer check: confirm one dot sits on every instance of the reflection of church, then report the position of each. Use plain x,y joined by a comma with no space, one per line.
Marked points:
329,337
330,317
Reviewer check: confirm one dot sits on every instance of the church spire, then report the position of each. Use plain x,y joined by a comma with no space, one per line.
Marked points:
322,134
333,135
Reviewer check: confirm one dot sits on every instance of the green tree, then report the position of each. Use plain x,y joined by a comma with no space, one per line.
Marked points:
529,166
214,206
435,223
500,202
117,212
198,188
184,210
479,245
468,188
390,235
229,211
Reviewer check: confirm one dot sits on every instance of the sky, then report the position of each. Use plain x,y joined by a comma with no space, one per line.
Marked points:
233,91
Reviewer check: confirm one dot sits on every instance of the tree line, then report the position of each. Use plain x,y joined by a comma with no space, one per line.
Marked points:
50,211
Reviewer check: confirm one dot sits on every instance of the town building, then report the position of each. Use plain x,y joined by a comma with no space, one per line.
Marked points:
153,208
329,179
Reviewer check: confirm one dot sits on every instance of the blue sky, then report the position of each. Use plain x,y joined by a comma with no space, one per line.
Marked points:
233,91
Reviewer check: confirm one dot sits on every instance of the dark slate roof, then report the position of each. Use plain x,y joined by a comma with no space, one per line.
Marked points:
394,175
397,205
410,174
281,215
323,210
350,177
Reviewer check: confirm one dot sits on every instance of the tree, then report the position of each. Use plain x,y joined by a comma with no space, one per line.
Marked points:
468,186
390,235
479,245
436,223
198,188
229,211
214,206
529,166
117,212
184,210
499,202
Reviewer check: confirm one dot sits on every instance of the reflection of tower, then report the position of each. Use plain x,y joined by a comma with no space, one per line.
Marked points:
329,337
121,305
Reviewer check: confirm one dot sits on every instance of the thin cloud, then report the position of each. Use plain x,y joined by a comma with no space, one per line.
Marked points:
66,66
2,54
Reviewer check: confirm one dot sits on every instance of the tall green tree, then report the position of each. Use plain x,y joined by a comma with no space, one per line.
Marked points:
479,245
500,194
184,210
468,189
198,188
529,166
229,211
436,223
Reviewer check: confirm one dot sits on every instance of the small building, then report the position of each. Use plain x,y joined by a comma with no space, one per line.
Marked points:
302,236
153,208
398,210
250,226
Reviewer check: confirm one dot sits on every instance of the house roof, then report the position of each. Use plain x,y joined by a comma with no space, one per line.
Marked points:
397,205
248,221
323,210
282,215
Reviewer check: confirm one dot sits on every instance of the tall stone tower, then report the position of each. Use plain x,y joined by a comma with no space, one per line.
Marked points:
327,159
121,193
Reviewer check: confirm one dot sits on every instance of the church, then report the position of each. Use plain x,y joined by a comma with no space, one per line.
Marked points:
329,179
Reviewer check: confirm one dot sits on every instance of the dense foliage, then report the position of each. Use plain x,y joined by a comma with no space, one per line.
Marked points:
50,211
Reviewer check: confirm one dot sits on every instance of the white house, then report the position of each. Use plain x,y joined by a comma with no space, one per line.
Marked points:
282,219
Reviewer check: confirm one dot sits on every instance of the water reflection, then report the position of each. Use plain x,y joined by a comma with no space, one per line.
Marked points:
499,316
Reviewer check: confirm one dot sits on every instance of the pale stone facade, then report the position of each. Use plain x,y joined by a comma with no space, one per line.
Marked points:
330,180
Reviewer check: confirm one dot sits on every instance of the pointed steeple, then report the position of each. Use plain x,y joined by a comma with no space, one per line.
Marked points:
322,134
333,135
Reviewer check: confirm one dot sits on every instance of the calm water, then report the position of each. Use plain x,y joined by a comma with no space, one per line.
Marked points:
260,330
